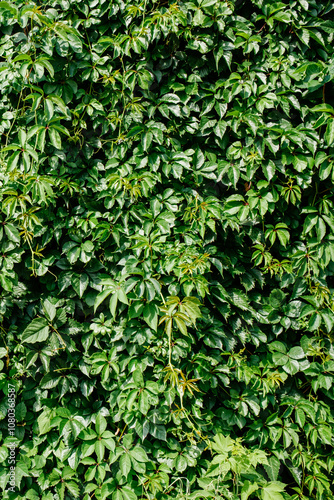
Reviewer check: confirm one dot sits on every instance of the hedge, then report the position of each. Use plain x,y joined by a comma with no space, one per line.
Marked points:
167,249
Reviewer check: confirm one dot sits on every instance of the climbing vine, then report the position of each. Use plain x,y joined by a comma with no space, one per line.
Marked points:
167,249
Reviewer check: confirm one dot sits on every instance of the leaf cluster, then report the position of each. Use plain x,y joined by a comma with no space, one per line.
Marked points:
167,249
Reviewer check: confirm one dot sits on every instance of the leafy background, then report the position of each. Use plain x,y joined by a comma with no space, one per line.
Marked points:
167,248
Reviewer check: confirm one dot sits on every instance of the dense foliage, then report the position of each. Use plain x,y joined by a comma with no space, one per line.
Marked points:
167,249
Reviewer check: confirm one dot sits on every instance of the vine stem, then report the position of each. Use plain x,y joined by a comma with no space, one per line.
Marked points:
194,428
170,350
178,479
144,14
163,299
315,194
12,125
120,437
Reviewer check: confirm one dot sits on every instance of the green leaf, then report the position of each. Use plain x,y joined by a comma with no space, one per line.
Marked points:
291,366
202,494
10,7
300,417
73,488
297,474
138,378
36,331
47,64
170,98
328,319
315,321
100,424
220,129
121,295
143,403
276,298
80,284
329,134
101,297
147,140
49,309
128,494
320,229
99,450
233,175
113,304
20,411
296,353
48,109
280,359
247,489
12,233
44,422
158,432
136,309
139,454
117,495
134,131
272,469
272,491
325,433
88,246
125,464
150,315
55,138
222,444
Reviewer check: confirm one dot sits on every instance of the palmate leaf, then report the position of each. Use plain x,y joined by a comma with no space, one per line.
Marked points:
190,307
172,303
179,313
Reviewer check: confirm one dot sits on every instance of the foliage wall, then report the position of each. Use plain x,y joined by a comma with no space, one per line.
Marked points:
167,249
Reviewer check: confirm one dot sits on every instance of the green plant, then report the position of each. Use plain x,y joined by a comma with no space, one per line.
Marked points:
166,249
